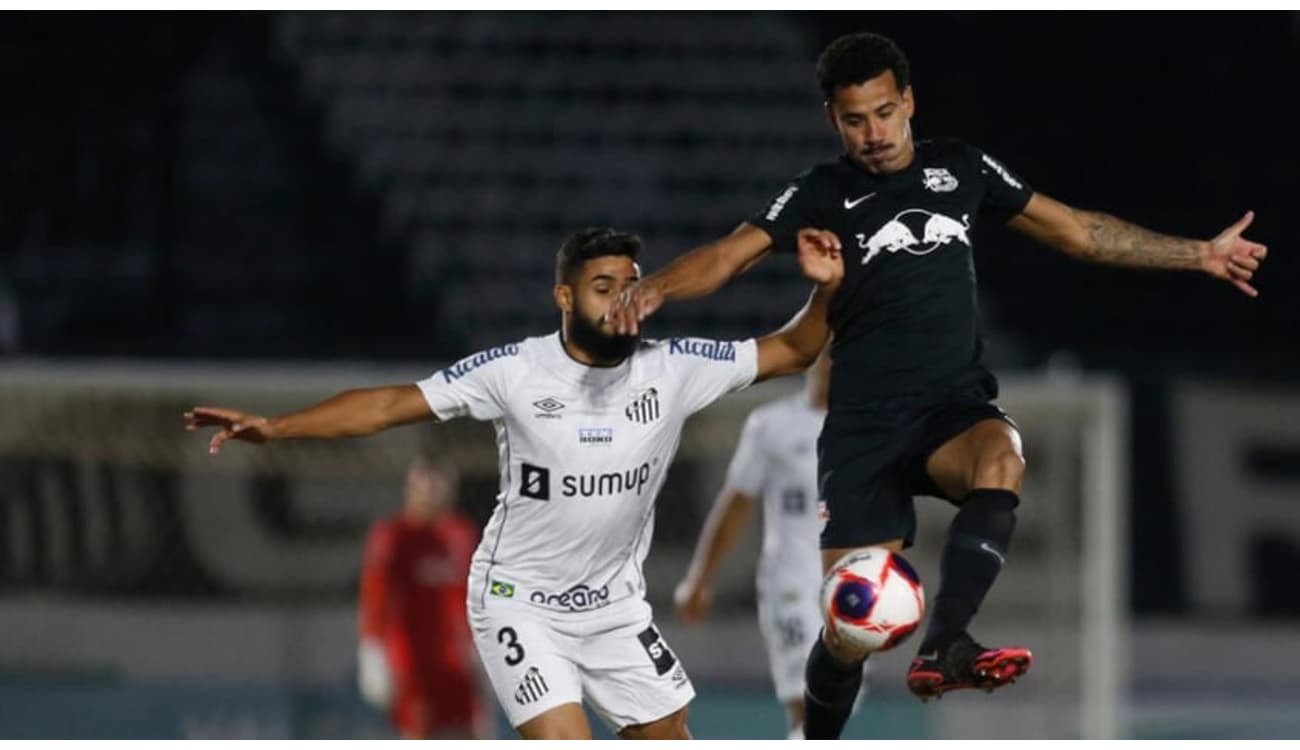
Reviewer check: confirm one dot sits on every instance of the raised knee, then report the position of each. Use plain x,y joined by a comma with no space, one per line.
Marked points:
1003,469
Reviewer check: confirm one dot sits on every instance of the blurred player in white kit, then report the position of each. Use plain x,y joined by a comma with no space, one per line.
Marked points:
775,466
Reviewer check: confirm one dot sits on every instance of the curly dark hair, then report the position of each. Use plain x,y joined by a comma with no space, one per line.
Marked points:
592,242
856,58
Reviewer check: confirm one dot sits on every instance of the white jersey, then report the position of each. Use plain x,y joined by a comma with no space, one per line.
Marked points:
776,460
583,452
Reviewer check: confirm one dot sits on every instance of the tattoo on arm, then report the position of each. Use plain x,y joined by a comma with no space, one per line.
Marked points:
1117,242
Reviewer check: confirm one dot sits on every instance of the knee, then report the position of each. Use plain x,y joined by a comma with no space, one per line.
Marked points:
1000,469
564,722
676,726
671,727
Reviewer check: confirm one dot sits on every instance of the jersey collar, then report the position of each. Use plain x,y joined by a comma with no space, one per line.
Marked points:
558,361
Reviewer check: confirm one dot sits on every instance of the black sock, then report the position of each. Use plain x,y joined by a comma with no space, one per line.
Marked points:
830,691
977,545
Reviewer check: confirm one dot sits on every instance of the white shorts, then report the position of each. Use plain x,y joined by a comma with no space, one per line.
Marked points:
790,620
613,658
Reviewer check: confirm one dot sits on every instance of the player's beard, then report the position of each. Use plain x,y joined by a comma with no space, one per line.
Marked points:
603,347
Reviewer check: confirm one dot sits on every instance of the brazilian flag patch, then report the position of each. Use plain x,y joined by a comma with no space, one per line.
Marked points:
502,589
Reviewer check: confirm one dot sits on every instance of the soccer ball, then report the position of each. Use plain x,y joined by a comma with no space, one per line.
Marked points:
872,599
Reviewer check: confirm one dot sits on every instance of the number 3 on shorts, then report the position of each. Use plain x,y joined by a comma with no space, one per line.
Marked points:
514,651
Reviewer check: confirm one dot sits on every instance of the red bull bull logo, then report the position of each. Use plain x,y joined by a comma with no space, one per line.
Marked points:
901,233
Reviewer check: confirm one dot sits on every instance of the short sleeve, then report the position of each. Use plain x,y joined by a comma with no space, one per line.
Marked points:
790,210
747,471
708,369
1005,194
473,387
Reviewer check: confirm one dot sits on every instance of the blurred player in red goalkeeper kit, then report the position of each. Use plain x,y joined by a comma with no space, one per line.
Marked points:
416,656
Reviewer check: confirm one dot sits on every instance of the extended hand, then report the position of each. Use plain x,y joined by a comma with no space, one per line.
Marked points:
820,257
633,305
234,425
1233,258
692,601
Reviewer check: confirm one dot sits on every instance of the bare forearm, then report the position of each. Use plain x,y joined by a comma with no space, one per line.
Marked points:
794,348
721,529
807,334
1117,242
353,413
707,267
695,274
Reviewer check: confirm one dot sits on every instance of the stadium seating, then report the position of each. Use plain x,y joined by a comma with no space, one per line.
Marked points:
480,135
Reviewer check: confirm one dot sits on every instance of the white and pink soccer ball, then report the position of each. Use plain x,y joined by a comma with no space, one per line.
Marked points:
872,599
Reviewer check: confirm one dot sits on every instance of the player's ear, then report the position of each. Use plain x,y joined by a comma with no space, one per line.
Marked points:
830,115
564,297
909,102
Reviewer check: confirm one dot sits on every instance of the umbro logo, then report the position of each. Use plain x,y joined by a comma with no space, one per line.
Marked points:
850,204
548,407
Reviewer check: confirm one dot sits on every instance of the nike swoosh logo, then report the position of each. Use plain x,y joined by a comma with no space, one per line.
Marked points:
989,549
848,204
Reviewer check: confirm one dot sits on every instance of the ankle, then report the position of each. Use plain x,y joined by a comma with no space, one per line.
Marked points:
941,641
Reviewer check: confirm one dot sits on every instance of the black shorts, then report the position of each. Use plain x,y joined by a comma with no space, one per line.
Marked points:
870,464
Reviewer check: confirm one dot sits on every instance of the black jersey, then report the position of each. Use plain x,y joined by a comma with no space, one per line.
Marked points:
906,320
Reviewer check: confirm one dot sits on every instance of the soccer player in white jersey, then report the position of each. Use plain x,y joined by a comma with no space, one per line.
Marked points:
587,423
775,465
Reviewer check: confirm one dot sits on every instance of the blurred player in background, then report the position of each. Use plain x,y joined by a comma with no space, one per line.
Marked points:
415,658
775,464
910,405
587,424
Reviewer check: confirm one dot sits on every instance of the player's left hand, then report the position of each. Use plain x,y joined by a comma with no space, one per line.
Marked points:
820,256
1234,258
691,600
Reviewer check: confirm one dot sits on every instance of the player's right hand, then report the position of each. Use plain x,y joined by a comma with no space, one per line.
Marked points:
235,425
692,601
633,305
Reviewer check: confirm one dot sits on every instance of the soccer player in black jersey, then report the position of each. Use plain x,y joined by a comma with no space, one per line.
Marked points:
910,409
